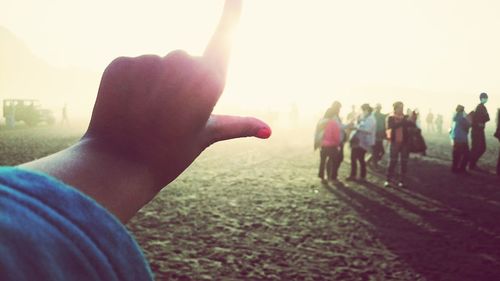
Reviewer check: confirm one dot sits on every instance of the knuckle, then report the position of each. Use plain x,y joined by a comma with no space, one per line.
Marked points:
118,65
213,82
120,62
177,56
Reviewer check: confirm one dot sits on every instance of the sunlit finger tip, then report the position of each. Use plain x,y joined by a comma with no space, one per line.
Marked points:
264,133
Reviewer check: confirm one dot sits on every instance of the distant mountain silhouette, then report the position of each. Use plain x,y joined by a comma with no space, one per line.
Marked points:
24,75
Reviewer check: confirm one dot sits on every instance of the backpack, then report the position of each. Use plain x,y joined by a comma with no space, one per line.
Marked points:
416,142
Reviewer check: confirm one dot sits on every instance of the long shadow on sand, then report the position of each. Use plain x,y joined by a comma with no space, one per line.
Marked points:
435,226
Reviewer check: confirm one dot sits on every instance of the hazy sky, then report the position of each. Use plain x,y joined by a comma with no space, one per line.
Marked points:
430,53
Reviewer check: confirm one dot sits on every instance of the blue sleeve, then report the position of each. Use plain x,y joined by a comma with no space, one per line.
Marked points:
50,231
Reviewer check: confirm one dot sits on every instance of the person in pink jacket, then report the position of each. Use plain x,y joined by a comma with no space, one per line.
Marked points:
329,131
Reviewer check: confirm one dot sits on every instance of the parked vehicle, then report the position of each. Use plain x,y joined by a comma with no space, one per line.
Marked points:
28,111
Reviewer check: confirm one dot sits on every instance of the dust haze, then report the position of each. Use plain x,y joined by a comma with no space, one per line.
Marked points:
287,57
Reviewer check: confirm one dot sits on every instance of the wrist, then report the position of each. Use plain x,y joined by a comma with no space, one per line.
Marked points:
118,183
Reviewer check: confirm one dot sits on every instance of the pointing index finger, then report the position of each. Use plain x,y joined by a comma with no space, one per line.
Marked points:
218,49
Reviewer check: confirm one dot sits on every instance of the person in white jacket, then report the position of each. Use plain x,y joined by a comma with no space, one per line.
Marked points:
362,141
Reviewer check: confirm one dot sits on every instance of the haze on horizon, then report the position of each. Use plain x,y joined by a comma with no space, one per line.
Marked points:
430,54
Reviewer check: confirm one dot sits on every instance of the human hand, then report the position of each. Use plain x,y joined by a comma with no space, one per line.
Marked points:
157,110
152,118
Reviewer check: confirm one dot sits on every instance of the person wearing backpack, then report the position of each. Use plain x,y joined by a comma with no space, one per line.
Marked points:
397,132
459,135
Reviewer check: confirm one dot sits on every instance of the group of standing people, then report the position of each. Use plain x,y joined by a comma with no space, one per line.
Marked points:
364,134
465,158
434,123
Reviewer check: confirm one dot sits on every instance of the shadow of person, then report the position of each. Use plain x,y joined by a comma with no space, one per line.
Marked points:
438,243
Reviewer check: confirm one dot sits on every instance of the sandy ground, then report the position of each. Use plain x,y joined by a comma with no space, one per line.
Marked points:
253,210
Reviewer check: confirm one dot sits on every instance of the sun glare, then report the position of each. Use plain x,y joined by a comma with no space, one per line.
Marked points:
285,52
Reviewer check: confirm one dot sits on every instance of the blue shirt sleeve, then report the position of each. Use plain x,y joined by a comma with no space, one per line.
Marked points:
50,231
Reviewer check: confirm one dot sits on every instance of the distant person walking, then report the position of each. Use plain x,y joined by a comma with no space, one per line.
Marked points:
439,123
64,117
479,120
459,135
328,138
378,148
397,132
362,141
429,120
352,117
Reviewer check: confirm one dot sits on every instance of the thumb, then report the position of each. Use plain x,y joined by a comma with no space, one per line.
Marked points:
225,127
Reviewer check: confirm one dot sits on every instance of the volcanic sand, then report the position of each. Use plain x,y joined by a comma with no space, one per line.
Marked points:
255,210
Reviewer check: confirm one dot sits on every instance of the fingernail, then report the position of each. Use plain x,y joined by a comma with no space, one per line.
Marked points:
264,133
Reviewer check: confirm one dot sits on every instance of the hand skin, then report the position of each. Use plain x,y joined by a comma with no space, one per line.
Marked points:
151,119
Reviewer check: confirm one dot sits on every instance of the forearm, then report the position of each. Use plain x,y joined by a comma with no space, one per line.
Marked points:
119,184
